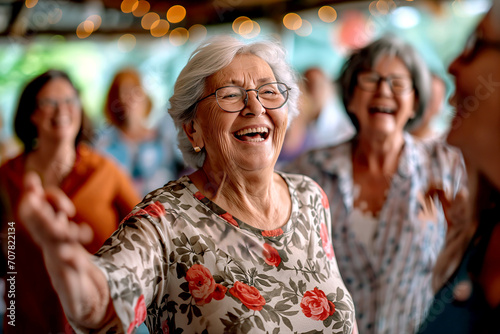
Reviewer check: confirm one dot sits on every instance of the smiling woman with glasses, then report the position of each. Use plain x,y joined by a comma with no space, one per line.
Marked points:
50,122
234,247
387,229
271,96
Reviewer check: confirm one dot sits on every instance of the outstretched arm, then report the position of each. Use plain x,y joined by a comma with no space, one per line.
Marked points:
80,284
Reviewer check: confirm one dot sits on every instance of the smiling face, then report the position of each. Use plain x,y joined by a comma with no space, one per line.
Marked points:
58,114
476,126
381,112
249,140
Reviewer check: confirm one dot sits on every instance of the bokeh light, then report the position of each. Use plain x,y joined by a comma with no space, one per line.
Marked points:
126,43
160,28
141,8
31,3
179,36
96,20
197,32
305,29
237,23
55,16
84,29
149,19
176,14
128,6
249,29
327,14
292,21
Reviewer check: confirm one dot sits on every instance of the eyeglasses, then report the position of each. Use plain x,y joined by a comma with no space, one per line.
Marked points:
370,81
474,43
272,95
49,105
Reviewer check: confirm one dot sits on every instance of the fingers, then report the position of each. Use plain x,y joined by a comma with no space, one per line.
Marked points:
45,213
60,202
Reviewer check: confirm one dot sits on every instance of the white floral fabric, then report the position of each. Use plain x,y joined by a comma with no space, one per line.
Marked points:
389,277
185,265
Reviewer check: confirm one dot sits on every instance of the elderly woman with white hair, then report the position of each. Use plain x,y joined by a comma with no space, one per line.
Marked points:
235,247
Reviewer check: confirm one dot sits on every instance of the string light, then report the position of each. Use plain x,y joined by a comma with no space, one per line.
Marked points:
126,42
31,3
197,32
292,21
179,36
149,19
141,8
176,14
160,28
327,14
128,6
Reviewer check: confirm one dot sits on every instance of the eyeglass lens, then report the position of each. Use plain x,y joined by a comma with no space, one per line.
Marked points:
371,81
234,98
51,104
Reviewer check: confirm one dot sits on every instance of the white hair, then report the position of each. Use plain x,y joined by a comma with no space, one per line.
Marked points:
210,57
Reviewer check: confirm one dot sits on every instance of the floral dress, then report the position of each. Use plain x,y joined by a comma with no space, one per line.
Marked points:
386,262
184,265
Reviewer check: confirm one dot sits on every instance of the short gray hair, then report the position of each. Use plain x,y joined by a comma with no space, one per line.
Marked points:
209,58
365,59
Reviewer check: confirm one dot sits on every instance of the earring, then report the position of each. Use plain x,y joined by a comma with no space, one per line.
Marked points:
197,149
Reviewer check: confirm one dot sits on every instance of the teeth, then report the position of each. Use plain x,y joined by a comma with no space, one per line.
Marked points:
256,139
253,130
382,109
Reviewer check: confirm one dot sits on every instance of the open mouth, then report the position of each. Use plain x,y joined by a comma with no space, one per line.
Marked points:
61,121
252,134
381,110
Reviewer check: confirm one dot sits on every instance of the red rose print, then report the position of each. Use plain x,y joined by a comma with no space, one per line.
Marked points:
248,295
164,327
271,255
227,216
155,210
325,240
201,284
273,233
219,292
316,306
140,314
324,198
199,195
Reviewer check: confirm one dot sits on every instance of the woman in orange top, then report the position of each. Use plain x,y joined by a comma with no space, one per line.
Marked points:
49,122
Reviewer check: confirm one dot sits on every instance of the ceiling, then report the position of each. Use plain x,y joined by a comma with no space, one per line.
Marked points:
63,16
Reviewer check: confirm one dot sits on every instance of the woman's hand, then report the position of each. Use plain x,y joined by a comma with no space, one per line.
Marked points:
80,284
45,214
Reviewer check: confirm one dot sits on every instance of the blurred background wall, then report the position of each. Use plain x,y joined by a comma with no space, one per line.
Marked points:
92,39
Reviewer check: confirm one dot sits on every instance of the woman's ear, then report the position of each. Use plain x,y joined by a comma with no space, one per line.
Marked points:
193,132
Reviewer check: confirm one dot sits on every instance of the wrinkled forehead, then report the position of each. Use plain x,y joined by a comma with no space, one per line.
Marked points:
243,69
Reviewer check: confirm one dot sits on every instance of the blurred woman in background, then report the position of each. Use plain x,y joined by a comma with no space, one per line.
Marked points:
387,230
467,273
50,123
146,148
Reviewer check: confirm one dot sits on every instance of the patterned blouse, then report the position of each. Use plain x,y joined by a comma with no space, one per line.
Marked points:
185,265
389,276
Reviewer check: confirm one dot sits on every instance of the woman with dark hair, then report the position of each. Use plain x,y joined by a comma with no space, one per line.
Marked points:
49,122
387,231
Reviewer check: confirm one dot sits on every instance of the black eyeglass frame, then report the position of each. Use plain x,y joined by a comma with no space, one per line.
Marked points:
474,43
386,79
256,90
